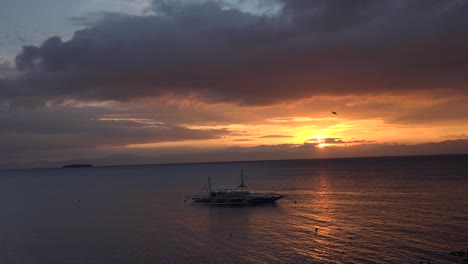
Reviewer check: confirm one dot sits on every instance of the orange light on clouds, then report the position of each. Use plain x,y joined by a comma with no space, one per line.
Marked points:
306,120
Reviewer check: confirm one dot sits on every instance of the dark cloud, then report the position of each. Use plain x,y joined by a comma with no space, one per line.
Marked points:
323,16
28,133
202,48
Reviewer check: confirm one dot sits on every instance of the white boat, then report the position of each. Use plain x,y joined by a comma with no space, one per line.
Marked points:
233,195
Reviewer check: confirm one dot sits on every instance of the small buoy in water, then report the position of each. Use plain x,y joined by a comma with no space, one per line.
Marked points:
295,201
178,198
316,230
185,201
230,234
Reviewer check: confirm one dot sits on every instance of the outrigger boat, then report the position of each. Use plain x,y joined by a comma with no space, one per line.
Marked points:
233,195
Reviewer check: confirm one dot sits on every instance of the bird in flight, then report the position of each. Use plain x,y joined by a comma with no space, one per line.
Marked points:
334,113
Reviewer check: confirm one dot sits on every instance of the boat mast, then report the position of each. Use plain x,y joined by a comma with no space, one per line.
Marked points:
209,182
242,180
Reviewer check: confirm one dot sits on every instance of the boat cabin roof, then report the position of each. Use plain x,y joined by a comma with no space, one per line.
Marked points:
225,187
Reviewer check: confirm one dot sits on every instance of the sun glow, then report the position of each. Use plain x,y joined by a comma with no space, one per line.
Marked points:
317,139
320,141
322,145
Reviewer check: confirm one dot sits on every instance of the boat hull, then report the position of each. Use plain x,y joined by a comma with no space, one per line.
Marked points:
230,200
266,198
219,200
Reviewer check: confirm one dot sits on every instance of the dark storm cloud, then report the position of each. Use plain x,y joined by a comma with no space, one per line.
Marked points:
310,47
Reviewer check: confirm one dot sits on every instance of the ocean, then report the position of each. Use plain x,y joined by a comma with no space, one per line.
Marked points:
366,210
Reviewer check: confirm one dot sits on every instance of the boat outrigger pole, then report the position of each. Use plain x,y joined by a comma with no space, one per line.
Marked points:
209,182
242,180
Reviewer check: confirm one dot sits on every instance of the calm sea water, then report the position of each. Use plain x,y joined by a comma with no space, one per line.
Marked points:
367,210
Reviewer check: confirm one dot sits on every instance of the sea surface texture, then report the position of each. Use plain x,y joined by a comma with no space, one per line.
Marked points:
366,210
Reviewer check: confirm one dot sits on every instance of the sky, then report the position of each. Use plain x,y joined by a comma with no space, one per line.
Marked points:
114,82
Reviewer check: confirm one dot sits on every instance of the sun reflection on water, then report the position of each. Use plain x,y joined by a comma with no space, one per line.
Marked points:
314,219
324,203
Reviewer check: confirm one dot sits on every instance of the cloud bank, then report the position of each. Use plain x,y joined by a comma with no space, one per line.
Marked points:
214,52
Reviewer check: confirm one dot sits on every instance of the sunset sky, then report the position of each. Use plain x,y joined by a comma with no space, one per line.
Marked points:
137,81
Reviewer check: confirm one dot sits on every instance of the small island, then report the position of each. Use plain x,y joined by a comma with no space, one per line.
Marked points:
78,166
